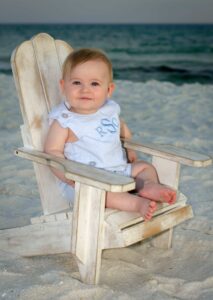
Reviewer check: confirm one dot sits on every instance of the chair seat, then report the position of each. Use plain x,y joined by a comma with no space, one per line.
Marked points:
123,219
125,228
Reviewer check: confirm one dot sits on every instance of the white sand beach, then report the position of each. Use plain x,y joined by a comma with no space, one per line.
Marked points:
156,112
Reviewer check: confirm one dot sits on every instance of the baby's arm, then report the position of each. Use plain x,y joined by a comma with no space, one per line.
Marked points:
126,133
54,144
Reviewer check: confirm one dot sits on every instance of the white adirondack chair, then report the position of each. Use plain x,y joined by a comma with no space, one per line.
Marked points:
89,228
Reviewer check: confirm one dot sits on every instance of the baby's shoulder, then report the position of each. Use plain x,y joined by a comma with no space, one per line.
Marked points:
61,114
57,110
110,107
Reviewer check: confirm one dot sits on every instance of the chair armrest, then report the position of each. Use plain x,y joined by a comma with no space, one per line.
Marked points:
80,172
170,152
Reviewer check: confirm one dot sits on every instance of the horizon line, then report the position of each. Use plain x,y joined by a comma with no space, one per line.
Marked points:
97,23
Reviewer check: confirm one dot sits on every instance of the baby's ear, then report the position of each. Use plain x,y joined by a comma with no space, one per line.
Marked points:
111,89
61,85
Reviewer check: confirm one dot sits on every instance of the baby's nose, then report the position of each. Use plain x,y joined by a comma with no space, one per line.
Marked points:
85,87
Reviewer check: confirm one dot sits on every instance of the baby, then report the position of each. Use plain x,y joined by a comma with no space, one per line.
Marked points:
86,128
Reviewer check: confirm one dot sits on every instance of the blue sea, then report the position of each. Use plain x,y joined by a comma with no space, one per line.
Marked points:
173,53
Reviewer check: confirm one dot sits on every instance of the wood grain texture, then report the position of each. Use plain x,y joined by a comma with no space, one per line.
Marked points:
183,156
80,172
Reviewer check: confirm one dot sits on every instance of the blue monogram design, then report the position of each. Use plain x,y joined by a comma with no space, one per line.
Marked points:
107,126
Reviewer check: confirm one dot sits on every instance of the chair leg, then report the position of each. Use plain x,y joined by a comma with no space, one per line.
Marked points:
163,240
87,231
169,174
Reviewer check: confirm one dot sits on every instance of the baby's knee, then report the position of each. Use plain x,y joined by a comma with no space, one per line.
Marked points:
141,167
150,166
146,165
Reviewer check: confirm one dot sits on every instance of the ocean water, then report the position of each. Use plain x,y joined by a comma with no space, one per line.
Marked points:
169,53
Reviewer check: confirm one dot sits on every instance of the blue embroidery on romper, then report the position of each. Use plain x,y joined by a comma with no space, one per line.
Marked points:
107,126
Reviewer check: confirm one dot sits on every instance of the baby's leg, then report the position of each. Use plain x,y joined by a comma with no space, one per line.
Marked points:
158,192
133,203
148,185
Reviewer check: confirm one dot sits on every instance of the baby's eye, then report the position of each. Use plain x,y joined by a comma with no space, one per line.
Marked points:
95,83
76,82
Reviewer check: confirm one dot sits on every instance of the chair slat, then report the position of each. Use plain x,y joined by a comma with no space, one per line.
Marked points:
36,67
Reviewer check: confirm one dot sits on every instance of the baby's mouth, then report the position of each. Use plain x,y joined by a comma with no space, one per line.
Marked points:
85,98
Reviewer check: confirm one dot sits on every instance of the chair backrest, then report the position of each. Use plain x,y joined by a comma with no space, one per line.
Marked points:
36,66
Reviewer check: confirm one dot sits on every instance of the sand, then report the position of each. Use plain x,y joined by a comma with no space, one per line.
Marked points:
156,112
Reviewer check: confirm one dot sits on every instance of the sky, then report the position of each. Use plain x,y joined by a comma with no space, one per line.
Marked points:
106,11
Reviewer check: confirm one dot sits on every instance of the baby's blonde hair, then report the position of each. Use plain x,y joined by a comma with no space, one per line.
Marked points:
83,55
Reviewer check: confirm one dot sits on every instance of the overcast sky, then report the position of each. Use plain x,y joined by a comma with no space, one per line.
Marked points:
106,11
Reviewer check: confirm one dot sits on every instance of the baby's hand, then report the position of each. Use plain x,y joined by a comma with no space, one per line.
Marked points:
131,155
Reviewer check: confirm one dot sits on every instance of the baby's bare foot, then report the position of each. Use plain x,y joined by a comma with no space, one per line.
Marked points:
158,192
147,208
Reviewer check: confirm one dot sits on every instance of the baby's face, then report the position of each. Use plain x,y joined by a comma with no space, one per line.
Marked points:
87,87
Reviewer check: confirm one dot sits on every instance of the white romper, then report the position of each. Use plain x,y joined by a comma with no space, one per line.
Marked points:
98,141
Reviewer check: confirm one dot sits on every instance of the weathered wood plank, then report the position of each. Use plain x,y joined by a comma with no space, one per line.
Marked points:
163,240
87,231
168,171
80,172
173,153
63,50
50,55
38,239
117,238
156,225
47,183
36,68
123,219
